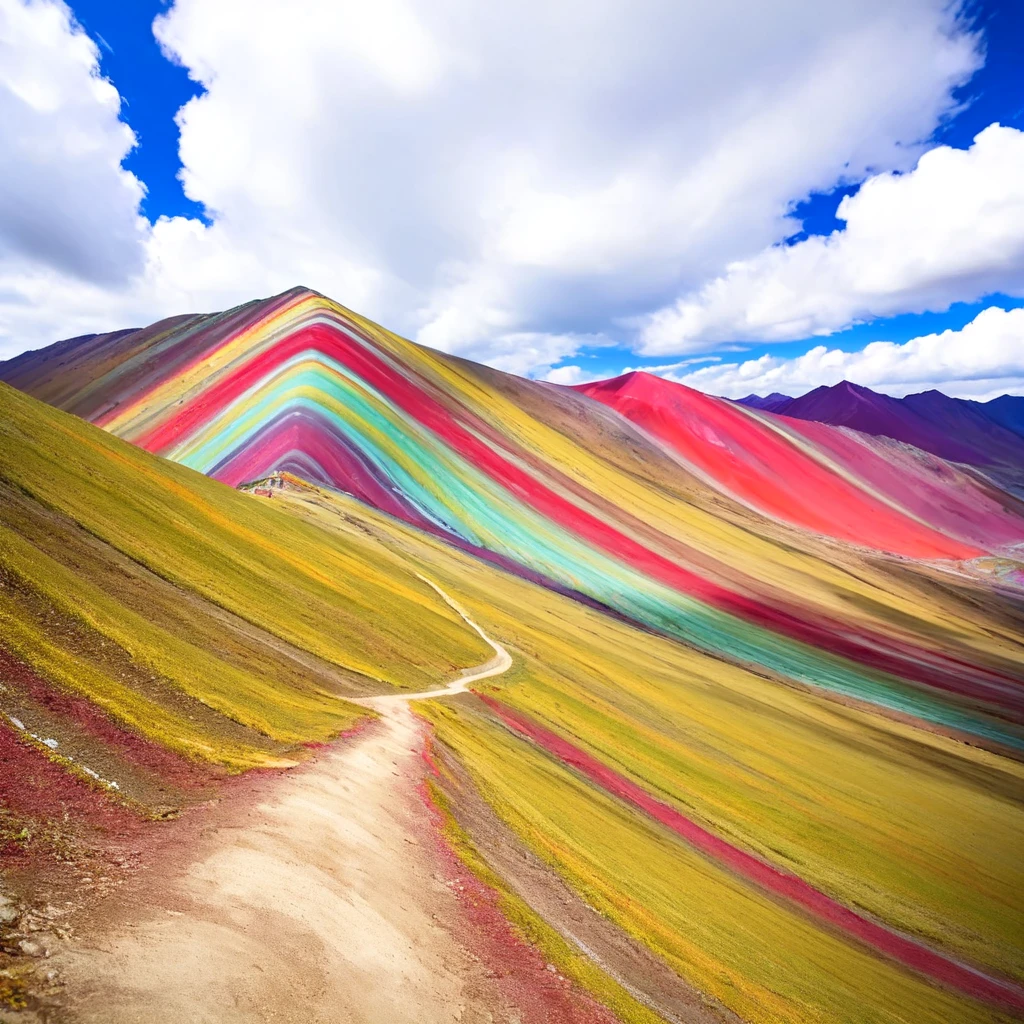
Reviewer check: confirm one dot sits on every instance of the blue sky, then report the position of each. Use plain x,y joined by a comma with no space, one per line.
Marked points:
549,215
153,89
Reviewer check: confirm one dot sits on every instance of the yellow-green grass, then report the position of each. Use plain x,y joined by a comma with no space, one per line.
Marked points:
162,603
53,660
262,703
919,829
922,831
206,620
763,961
338,601
870,814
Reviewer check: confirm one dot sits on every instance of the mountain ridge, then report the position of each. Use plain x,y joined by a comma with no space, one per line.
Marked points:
989,435
298,383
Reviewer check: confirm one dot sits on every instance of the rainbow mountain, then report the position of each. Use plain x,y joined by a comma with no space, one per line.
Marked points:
670,512
766,704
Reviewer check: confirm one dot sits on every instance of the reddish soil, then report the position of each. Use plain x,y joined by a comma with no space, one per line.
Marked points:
245,909
175,770
646,977
541,995
34,789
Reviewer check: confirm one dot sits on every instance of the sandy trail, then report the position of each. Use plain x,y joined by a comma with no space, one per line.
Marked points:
325,903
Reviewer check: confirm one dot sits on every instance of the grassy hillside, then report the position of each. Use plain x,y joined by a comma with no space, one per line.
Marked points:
559,485
200,618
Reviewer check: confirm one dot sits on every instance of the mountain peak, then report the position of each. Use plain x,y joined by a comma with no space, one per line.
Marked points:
774,402
631,381
857,390
930,420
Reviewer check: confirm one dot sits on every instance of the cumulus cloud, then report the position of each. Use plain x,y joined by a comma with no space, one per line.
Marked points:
982,360
65,203
573,374
951,230
495,180
534,352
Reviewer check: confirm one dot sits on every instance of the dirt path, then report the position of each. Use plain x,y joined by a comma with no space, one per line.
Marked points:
328,902
501,662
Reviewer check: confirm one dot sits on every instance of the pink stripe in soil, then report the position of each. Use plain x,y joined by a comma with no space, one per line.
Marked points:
907,951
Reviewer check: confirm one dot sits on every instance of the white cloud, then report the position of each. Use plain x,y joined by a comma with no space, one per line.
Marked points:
982,360
533,353
570,374
65,202
496,180
666,368
573,374
951,230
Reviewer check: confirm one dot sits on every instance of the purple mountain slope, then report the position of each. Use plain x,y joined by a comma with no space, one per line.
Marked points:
851,405
951,428
970,423
1007,411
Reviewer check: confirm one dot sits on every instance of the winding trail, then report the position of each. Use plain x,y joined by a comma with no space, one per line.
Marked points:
328,900
501,662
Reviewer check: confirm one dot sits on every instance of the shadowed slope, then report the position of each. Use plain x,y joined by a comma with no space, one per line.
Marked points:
851,405
860,407
971,422
1008,411
775,402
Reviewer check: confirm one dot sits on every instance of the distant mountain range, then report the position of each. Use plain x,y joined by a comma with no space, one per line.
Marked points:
770,403
989,435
